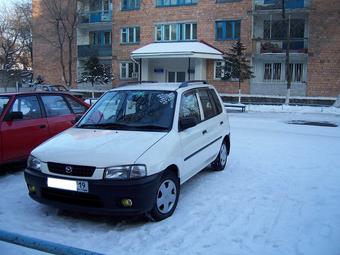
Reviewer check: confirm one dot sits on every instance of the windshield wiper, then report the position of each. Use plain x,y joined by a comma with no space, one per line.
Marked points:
104,126
152,127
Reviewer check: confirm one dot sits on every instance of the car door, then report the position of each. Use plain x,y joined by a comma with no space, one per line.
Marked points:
58,112
212,125
192,140
21,136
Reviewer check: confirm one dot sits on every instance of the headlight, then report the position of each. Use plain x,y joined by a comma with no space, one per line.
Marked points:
33,163
125,172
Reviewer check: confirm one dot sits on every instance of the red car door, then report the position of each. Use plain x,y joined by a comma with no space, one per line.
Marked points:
21,135
59,114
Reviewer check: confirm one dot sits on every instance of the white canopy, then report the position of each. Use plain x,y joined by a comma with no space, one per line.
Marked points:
177,50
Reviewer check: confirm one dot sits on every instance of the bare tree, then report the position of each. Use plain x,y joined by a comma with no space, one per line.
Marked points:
62,17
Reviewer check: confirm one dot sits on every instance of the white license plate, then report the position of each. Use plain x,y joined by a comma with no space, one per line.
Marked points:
79,186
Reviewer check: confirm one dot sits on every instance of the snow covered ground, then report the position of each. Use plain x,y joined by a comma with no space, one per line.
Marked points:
279,194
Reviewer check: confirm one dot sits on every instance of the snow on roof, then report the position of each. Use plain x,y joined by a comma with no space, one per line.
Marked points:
177,50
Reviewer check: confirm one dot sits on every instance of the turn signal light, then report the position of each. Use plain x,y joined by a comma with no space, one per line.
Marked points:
126,202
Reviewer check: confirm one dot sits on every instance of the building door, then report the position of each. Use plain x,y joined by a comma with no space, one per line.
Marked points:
176,76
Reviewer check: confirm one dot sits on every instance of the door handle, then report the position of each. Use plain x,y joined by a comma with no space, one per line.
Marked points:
204,132
221,123
42,126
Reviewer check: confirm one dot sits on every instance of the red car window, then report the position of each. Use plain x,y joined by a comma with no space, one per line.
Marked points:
28,105
55,106
3,103
76,106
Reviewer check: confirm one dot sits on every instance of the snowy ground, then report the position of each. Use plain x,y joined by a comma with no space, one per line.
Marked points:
279,194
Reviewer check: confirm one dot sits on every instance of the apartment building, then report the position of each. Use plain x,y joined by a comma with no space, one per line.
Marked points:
179,40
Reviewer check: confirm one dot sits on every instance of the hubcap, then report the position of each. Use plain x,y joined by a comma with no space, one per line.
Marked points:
166,196
223,154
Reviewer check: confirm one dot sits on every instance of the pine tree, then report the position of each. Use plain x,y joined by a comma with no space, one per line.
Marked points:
237,66
95,72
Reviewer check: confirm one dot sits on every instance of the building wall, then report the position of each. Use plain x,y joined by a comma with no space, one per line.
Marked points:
324,48
205,13
46,60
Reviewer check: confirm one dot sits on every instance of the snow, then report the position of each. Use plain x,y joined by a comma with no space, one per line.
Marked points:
293,109
279,194
194,49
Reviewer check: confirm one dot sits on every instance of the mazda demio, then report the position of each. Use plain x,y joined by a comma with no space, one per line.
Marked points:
132,150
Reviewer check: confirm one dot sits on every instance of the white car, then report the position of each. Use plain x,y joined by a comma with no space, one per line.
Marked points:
132,150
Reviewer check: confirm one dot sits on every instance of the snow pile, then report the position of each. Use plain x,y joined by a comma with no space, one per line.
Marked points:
293,109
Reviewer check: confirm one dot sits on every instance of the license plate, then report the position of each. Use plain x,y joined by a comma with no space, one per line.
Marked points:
79,186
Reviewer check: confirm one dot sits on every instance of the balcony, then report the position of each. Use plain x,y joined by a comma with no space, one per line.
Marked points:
272,5
271,46
92,17
85,51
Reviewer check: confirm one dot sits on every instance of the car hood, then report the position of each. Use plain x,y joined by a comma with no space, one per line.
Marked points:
93,147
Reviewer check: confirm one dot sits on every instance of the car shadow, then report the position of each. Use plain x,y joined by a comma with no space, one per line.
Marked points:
12,168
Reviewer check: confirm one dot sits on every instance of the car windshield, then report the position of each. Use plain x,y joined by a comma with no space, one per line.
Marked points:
144,110
3,102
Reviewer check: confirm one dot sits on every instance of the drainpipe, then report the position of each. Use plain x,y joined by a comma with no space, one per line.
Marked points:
189,69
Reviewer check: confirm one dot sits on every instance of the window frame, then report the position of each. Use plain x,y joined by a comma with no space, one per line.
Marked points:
211,101
126,31
127,70
201,115
232,79
170,3
130,6
180,31
224,30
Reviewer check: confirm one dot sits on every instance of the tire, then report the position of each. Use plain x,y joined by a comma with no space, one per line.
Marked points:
166,199
222,158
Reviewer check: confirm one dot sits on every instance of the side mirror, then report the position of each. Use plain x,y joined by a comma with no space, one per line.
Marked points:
14,116
187,122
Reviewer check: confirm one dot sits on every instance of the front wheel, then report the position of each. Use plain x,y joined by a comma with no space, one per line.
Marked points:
221,160
167,197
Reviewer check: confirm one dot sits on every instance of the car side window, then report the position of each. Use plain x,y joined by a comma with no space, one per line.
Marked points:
28,105
76,106
55,106
190,107
216,101
207,104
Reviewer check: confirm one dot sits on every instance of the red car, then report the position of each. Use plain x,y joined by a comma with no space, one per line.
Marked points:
28,119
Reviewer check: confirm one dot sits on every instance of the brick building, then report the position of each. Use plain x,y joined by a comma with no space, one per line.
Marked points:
177,40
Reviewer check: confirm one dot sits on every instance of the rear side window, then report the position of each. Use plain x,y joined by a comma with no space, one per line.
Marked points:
76,106
216,100
29,106
190,107
55,106
207,104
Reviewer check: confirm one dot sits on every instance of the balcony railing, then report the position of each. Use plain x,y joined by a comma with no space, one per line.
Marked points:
95,17
277,4
261,46
85,51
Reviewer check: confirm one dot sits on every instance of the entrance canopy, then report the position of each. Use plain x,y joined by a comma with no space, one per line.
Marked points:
177,50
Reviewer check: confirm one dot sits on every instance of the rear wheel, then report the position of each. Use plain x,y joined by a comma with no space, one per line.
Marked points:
221,160
166,198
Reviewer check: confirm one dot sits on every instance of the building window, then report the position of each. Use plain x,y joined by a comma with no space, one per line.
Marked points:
100,38
129,70
227,1
130,35
161,3
224,69
176,32
276,29
296,71
130,5
272,72
228,30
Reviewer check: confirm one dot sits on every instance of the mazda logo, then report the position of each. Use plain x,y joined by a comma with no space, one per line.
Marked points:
68,169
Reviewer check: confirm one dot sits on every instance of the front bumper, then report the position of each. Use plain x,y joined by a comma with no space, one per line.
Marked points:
104,196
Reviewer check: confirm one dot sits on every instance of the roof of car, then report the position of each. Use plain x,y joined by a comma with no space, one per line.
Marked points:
166,86
34,93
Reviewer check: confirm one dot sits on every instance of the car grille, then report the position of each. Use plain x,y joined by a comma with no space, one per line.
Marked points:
71,197
71,170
